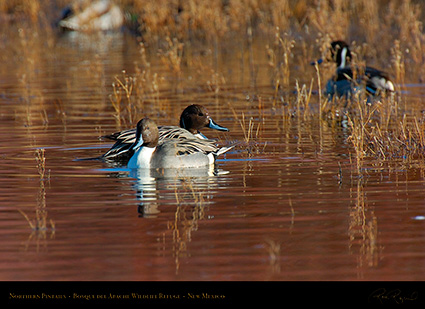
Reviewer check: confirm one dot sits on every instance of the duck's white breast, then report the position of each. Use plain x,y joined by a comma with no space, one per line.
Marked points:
141,158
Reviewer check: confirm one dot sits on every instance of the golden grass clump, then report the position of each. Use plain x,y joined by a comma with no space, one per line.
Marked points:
381,131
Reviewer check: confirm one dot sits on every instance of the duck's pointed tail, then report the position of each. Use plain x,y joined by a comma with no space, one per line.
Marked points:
89,159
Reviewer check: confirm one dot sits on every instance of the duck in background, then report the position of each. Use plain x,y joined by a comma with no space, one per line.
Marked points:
88,16
193,118
348,79
190,152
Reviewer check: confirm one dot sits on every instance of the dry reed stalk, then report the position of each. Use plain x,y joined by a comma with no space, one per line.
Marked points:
303,100
247,130
398,63
127,97
172,55
280,56
115,100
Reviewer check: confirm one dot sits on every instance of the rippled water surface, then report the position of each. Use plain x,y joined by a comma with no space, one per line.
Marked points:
287,204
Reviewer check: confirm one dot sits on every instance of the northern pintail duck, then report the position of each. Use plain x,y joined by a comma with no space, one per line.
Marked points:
345,82
193,118
83,15
190,152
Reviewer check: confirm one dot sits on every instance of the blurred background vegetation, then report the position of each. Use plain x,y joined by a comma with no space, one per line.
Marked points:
365,18
376,23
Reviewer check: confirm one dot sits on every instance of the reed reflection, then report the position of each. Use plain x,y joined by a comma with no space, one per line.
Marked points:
191,190
41,226
363,231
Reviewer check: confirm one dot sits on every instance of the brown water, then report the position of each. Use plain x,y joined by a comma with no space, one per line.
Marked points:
291,206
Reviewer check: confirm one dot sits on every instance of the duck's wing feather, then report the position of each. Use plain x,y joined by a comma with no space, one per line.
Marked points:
173,132
180,147
122,136
124,140
377,80
129,136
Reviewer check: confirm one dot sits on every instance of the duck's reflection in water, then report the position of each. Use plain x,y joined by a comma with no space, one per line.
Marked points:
188,192
156,187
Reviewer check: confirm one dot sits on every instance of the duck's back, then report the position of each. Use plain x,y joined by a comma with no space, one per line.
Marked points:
184,153
174,154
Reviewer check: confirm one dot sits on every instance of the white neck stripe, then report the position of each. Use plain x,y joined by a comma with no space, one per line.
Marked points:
343,57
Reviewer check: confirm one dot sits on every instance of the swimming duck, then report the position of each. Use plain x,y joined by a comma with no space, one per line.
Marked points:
193,118
190,152
346,82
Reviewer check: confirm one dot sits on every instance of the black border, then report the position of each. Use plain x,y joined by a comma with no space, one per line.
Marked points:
16,293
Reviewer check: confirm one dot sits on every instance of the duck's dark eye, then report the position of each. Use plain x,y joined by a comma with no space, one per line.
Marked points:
201,114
